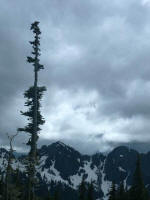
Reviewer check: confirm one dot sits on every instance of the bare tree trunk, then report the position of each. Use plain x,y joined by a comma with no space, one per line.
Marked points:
8,169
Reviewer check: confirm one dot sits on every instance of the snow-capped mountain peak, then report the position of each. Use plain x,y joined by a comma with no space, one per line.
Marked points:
61,164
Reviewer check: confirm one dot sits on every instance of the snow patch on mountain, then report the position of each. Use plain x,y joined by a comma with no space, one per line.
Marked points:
86,169
42,161
92,176
75,180
105,184
52,174
121,169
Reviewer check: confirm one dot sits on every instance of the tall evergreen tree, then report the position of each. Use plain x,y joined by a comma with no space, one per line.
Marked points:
138,190
121,194
90,192
49,197
112,192
56,195
18,186
82,190
1,187
33,114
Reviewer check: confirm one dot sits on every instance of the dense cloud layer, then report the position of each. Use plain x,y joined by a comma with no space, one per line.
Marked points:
97,71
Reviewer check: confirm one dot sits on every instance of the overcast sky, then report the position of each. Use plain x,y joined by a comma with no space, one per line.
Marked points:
96,55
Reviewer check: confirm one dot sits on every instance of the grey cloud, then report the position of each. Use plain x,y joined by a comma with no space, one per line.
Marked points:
86,45
100,135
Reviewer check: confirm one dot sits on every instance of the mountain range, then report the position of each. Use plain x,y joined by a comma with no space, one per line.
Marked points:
61,166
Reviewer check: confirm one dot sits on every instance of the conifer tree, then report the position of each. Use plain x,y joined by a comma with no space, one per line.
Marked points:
18,187
56,195
121,194
90,192
138,190
33,95
112,192
1,187
82,190
49,197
